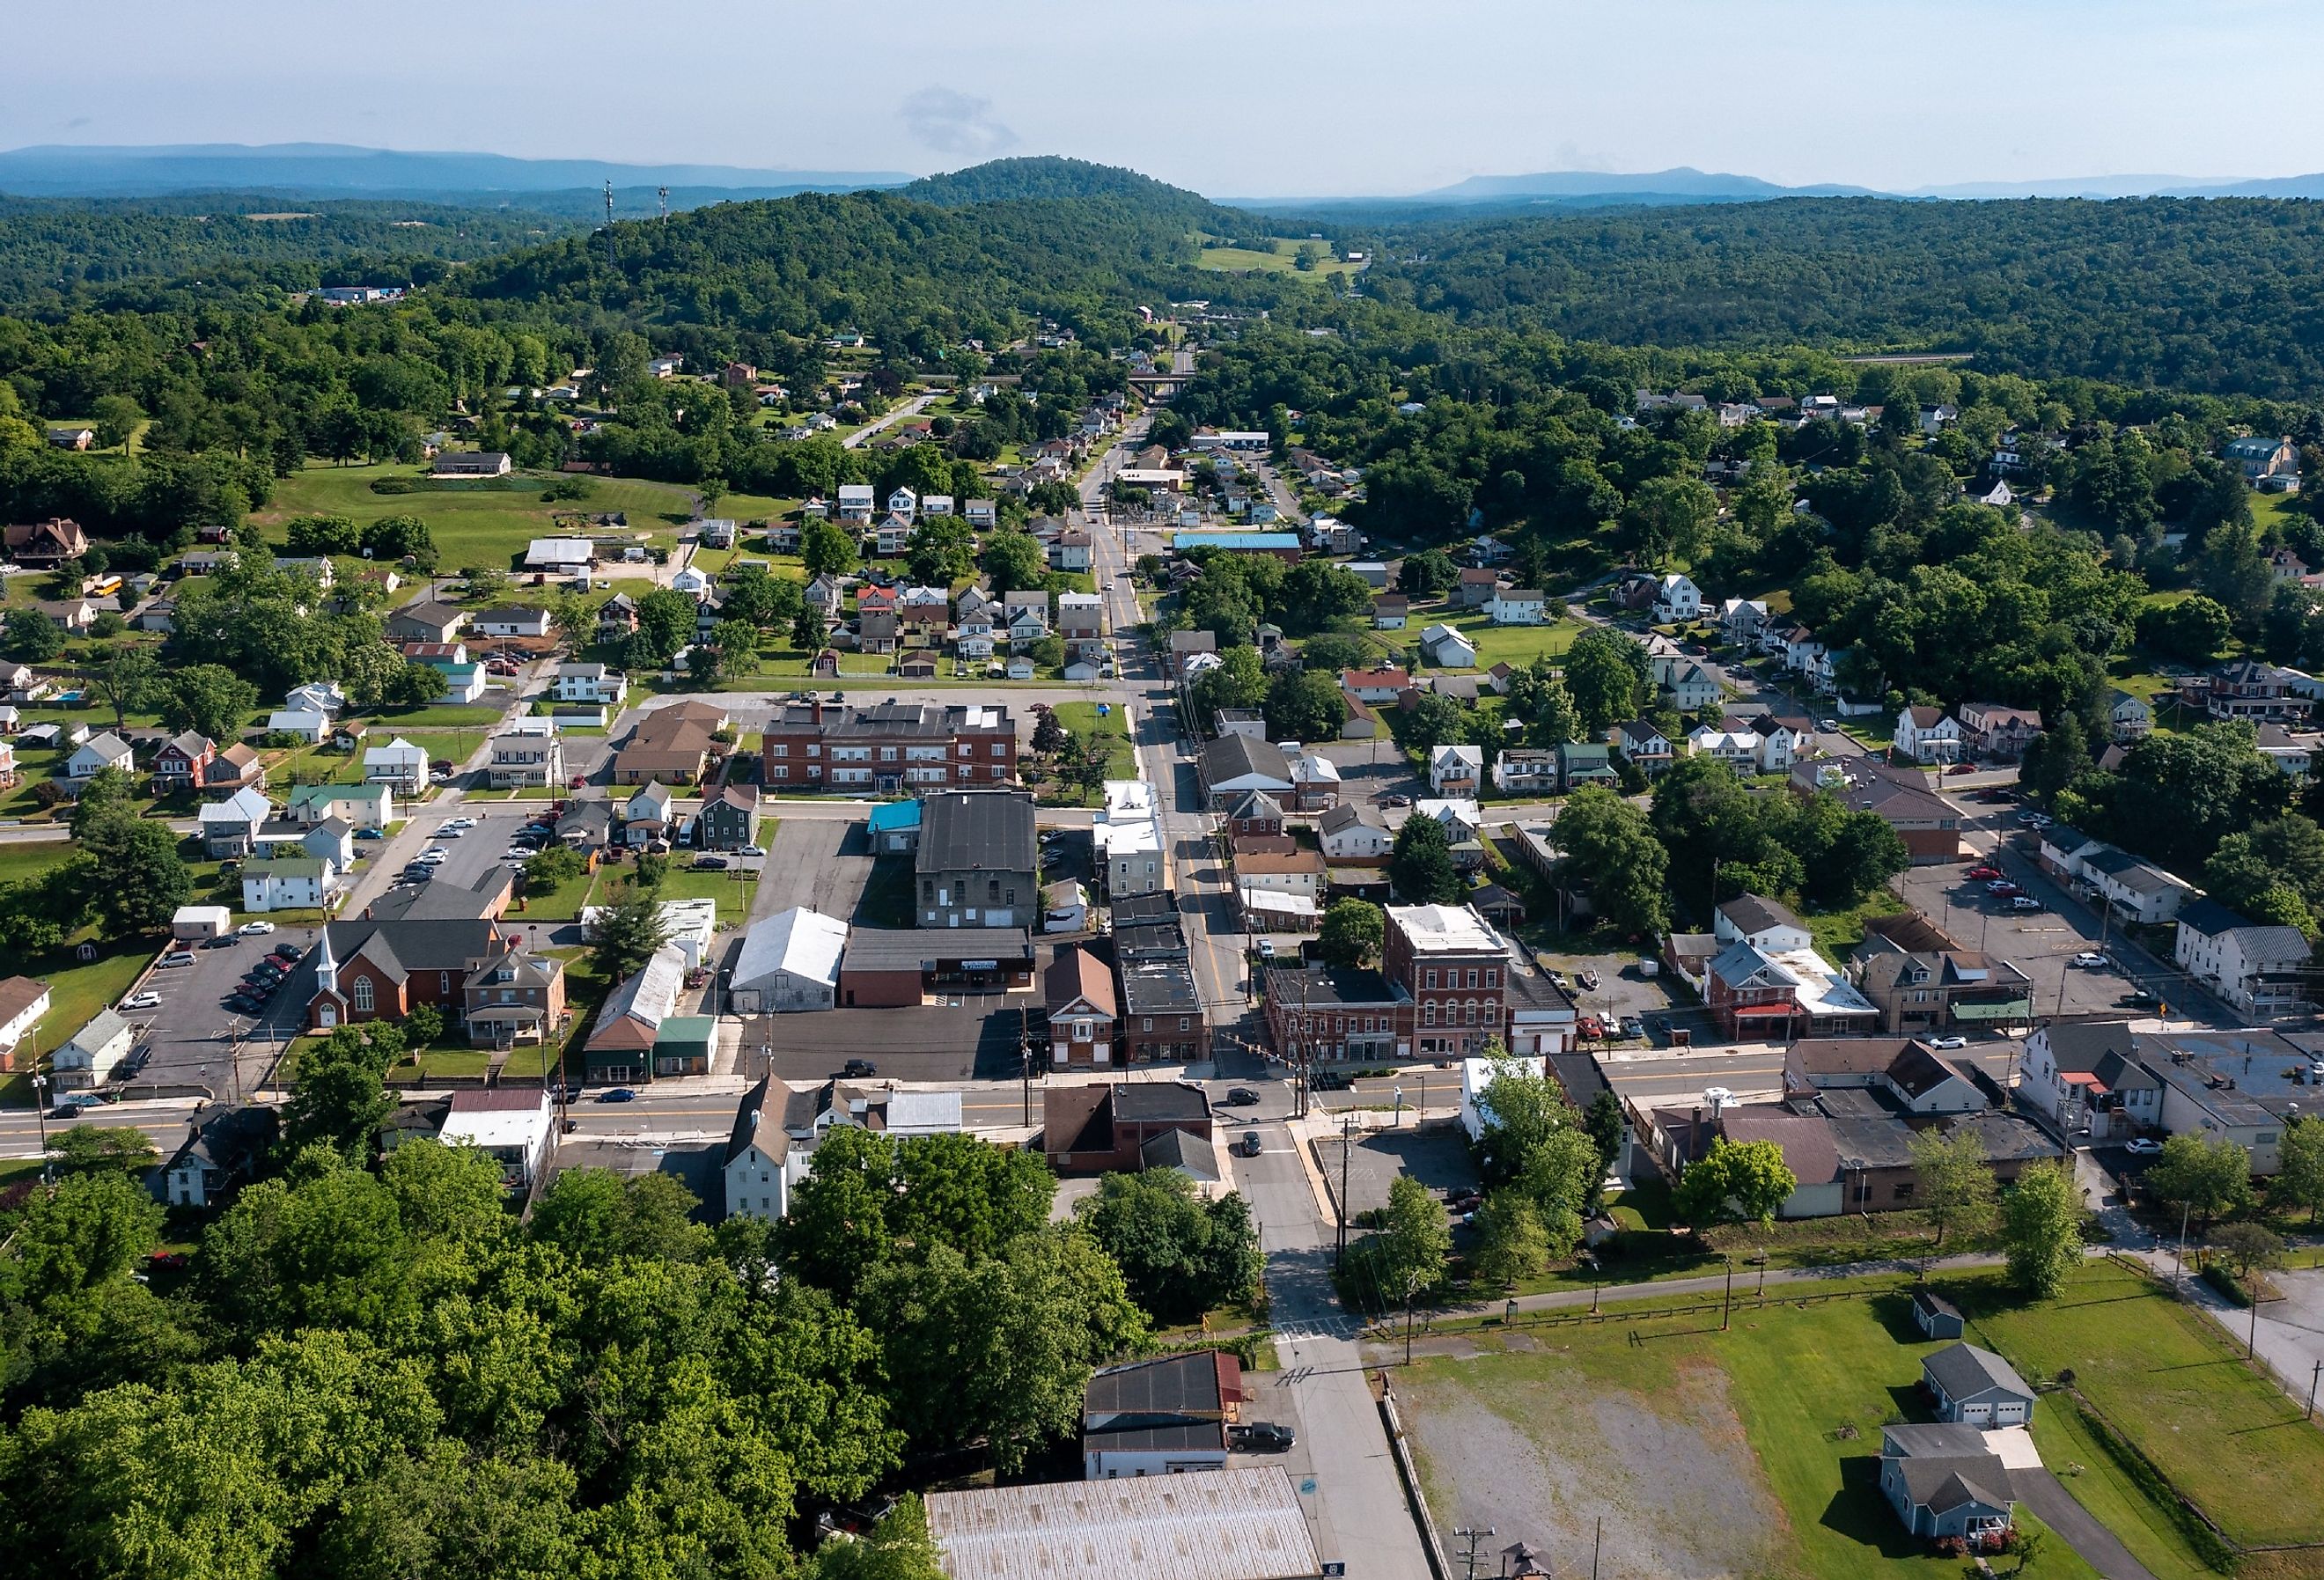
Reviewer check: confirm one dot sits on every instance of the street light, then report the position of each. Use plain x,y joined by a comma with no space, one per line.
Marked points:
41,1110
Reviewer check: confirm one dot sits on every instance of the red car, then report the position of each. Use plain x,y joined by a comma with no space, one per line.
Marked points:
1983,873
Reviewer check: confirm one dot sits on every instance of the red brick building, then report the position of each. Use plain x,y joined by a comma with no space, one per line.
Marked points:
383,970
889,748
1453,966
1108,1125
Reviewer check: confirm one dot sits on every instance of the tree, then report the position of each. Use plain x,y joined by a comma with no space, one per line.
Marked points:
1607,1125
897,1547
146,878
2300,1177
423,1026
95,1149
941,550
1953,1182
339,1095
1352,933
1414,1241
209,699
1426,574
2041,1229
1734,1182
599,1217
555,866
120,677
1050,736
2207,1175
1014,561
116,419
824,548
1435,720
92,1229
329,1250
1668,516
628,931
1180,1256
573,618
1613,849
1510,1244
1420,865
1605,674
2247,1248
488,584
412,685
667,621
1237,680
737,643
1306,705
30,636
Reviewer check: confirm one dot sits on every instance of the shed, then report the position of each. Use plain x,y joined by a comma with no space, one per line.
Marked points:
1935,1316
201,921
894,828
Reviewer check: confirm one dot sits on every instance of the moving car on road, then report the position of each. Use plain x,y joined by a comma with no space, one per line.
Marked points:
1240,1097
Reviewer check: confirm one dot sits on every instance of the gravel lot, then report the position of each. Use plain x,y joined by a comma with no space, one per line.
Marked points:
1438,1157
1540,1452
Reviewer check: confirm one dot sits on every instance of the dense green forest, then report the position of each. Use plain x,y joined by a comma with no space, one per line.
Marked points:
2216,295
180,252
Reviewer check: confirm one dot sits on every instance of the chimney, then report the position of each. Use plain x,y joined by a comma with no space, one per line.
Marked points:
815,710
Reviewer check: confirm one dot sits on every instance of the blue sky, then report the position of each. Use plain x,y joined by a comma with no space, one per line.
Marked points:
1235,98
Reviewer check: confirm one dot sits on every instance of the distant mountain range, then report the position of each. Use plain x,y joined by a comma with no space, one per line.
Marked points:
1684,184
326,170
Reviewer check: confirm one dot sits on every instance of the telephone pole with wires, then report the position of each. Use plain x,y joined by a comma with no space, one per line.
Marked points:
610,263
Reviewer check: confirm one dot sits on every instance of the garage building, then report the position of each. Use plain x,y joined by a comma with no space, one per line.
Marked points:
885,967
789,962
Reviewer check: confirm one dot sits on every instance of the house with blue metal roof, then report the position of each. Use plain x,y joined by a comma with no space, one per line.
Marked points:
895,826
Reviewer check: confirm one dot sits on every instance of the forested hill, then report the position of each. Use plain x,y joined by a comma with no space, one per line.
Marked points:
1052,179
2222,295
58,254
910,274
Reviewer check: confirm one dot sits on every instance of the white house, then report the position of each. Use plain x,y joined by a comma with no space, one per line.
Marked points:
1353,832
2256,970
93,756
1517,606
518,621
1928,734
1676,598
1736,744
301,725
789,961
904,504
361,806
527,754
761,1162
87,1059
513,1125
690,579
286,882
23,1002
323,696
855,502
399,765
981,512
1447,649
1456,769
596,684
463,683
1131,850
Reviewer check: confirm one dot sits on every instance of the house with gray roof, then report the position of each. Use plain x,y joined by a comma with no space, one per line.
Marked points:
1975,1386
2259,970
1944,1481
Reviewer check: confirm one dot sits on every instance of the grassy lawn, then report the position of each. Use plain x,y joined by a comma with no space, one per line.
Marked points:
1836,933
471,524
2170,1380
733,895
1278,256
1755,1451
1113,730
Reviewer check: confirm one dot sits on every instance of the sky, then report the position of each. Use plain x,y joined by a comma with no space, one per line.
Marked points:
1232,97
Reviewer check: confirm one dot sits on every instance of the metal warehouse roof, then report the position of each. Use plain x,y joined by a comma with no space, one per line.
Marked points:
1204,1525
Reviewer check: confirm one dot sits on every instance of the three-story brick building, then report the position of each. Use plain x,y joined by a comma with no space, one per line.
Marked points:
1454,967
889,748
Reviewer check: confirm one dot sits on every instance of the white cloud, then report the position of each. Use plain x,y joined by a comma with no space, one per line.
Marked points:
953,123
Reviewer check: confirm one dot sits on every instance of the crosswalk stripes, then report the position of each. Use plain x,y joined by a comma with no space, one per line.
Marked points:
1335,1328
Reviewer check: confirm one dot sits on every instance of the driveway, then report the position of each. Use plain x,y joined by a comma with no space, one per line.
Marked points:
2043,1494
823,864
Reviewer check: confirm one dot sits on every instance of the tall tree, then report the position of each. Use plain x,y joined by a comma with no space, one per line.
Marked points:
1954,1184
2207,1175
2041,1229
1352,932
1420,865
627,932
120,677
1735,1182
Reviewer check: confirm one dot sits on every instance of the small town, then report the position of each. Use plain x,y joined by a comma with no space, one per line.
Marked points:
1014,874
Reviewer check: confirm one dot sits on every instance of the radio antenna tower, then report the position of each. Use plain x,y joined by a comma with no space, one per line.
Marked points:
664,207
609,225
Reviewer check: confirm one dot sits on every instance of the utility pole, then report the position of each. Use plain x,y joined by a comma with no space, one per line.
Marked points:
1728,1309
2315,1373
1475,1539
1347,1145
610,263
2179,1263
1025,1059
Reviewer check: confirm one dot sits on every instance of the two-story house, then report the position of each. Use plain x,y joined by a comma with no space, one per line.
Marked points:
2258,971
1085,1011
1927,735
1998,732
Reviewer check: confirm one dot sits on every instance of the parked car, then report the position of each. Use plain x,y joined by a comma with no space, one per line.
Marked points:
2144,1146
1251,1145
222,941
1240,1097
177,957
255,930
371,834
1948,1042
288,952
1395,800
2090,960
1983,873
617,1094
1266,1436
710,864
2023,902
243,1003
856,1070
141,1001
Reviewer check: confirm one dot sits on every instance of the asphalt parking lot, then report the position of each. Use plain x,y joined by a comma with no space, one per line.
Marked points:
192,1034
470,855
818,862
2041,942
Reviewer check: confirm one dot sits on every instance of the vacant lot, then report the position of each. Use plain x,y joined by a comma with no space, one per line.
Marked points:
1749,1453
477,524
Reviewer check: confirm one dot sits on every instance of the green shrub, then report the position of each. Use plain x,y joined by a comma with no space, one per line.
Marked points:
393,486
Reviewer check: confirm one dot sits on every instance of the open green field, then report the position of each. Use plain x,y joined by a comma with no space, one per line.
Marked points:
730,889
1278,257
2169,1379
1496,644
1112,730
1674,1431
471,524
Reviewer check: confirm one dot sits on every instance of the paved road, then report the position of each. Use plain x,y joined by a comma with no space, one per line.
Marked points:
1357,1510
908,410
